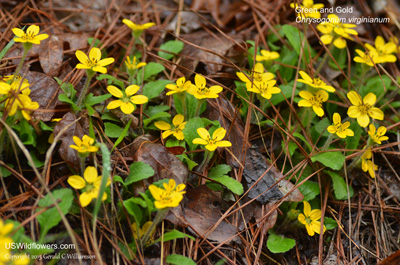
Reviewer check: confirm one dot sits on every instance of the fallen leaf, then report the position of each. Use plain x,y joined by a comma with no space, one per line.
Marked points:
67,153
214,49
44,91
51,55
164,163
75,41
202,211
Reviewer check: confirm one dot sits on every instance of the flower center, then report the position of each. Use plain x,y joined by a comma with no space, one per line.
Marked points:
316,101
92,62
89,187
258,76
364,108
203,91
318,81
308,220
28,36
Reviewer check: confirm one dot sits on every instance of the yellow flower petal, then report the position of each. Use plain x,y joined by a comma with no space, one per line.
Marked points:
105,62
199,141
370,99
115,91
131,90
178,119
81,57
307,208
162,125
77,182
95,54
85,199
219,134
127,108
363,120
114,104
354,98
90,174
203,133
139,99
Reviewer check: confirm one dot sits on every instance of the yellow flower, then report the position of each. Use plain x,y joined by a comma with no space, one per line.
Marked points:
307,9
16,100
5,229
181,86
365,58
311,219
367,164
5,251
15,87
314,101
142,231
383,51
85,145
395,40
137,27
363,109
128,100
212,143
316,82
336,31
133,65
31,35
258,75
91,183
267,56
167,198
93,62
265,88
200,91
178,123
341,129
377,136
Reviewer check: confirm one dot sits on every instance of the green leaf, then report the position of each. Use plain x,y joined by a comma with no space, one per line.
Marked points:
5,49
330,223
179,260
291,147
174,234
123,134
309,189
172,46
156,116
232,184
45,127
287,91
137,201
92,100
111,80
64,98
153,89
219,171
376,86
112,130
110,117
296,39
190,131
150,70
52,217
321,126
279,244
133,209
4,172
190,163
334,160
139,171
155,109
339,186
352,142
296,134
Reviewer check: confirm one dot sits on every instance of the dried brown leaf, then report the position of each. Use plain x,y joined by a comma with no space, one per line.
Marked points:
44,91
51,55
66,152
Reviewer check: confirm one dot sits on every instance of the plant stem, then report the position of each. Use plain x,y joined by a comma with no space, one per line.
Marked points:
26,50
159,217
328,141
90,75
207,157
199,103
324,59
82,165
182,98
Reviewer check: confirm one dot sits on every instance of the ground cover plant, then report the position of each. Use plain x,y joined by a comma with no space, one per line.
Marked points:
199,132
